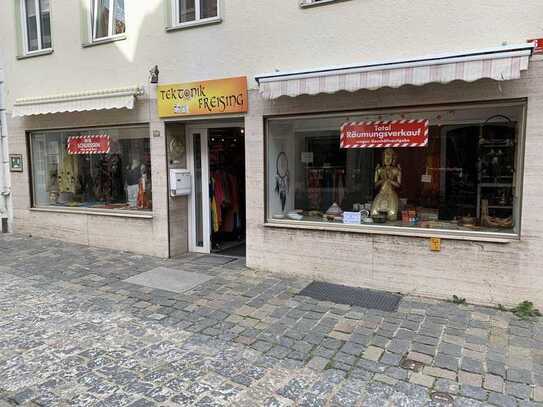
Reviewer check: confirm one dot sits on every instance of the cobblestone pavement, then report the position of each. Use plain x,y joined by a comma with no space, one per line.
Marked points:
73,333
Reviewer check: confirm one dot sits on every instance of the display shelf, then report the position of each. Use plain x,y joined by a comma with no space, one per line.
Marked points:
496,185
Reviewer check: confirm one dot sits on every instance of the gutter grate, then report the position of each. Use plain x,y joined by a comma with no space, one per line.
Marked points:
361,297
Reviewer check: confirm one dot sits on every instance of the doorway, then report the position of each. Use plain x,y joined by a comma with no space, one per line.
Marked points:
217,208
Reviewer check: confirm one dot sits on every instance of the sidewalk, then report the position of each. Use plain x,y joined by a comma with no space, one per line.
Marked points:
73,332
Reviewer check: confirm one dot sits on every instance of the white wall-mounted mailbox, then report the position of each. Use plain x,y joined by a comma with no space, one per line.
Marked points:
180,182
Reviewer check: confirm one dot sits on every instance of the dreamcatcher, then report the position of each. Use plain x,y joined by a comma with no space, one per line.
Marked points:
281,178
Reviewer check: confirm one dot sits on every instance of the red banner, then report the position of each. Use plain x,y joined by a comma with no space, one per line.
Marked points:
99,144
397,133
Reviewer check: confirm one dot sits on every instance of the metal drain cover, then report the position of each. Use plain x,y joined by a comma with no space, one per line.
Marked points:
361,297
442,397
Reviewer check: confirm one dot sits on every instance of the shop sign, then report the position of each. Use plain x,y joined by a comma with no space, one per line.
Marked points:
217,96
93,144
538,45
379,134
16,163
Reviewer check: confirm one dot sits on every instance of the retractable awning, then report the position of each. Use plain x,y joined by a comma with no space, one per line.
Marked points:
501,64
119,98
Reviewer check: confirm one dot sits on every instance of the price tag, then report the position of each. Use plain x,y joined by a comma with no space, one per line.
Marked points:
435,244
426,178
352,218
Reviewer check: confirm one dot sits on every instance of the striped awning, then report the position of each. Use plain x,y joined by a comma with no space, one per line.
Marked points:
119,98
500,64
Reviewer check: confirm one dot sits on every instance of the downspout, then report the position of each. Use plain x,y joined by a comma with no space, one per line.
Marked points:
5,192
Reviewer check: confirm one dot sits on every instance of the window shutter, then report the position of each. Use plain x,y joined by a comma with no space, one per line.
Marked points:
19,28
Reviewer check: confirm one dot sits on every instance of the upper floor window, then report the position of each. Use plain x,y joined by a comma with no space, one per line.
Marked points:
190,11
108,18
36,25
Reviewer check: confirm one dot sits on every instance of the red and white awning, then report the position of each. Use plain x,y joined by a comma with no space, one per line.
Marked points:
500,64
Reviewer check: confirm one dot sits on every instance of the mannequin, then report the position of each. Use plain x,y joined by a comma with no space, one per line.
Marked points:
133,177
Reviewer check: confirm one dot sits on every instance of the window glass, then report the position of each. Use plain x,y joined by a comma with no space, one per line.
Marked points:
119,17
208,8
98,168
463,178
31,25
187,11
101,18
45,22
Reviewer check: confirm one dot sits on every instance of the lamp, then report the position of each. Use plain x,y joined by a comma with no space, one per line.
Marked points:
153,74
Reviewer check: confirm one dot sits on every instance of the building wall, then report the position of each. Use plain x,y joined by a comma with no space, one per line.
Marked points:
282,36
488,273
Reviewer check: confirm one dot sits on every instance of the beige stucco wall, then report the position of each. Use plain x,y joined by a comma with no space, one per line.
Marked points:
258,36
488,273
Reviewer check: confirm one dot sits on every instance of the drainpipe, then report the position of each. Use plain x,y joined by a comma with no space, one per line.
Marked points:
5,202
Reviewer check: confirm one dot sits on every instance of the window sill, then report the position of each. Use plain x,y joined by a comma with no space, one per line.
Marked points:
193,24
110,212
306,4
107,40
35,54
489,237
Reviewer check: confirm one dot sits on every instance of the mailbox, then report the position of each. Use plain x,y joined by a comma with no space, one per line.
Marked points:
180,182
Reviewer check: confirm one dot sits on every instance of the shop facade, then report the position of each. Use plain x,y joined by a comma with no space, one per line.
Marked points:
337,197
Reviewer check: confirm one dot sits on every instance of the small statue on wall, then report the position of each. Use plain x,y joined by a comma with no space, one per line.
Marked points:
389,178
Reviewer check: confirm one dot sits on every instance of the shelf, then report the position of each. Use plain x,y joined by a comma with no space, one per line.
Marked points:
496,145
495,184
500,206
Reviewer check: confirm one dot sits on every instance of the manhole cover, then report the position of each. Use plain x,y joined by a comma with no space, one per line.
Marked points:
361,297
442,397
410,364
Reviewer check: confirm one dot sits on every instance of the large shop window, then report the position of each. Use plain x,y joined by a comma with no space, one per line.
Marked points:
99,168
457,170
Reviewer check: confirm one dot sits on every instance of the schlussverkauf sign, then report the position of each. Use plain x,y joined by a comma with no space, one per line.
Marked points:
379,134
96,144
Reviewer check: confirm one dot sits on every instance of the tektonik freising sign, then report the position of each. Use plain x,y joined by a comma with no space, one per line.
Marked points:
379,134
217,96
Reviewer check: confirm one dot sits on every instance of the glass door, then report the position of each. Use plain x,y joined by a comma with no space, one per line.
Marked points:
199,224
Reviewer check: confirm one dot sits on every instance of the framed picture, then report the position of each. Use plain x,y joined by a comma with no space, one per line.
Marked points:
16,162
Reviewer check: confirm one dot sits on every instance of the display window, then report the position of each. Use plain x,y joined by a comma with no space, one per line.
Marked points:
104,169
452,169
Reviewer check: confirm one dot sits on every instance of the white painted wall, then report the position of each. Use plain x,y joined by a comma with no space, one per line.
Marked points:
259,36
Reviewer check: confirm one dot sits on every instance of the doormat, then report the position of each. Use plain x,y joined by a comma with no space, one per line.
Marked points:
362,297
168,279
213,260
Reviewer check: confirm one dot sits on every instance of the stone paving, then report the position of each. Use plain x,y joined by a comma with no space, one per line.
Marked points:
73,333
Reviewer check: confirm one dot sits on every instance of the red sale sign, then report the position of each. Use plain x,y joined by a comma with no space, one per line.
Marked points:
99,144
538,48
379,134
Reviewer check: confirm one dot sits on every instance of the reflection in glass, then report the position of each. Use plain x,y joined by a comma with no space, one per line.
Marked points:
119,18
101,19
187,11
208,8
31,25
45,22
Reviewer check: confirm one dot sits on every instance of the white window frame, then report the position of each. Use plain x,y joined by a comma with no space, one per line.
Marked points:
93,21
24,28
197,14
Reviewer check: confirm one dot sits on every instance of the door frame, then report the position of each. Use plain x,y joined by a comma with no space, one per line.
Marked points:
203,131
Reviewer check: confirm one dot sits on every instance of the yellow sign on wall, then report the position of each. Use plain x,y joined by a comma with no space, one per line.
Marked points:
217,96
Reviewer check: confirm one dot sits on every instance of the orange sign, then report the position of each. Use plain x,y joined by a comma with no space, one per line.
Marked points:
217,96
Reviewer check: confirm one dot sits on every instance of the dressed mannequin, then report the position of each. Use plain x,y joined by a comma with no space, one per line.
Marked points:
67,179
133,177
389,178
